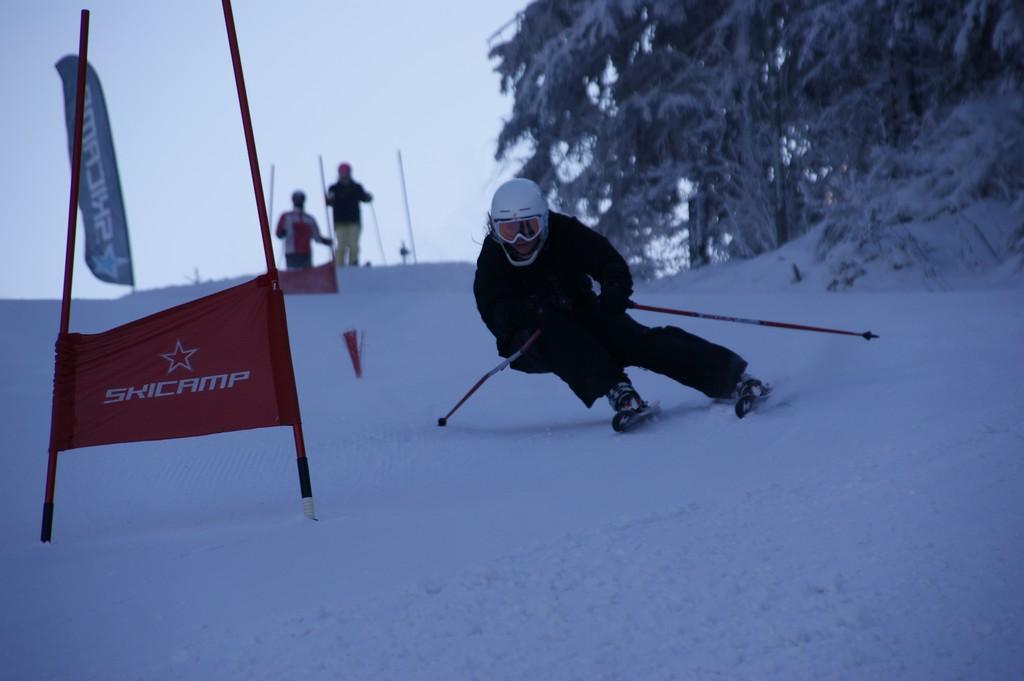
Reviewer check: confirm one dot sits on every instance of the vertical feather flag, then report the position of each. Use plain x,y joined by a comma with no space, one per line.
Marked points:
107,252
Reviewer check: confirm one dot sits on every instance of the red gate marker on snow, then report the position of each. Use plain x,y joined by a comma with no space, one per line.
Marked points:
354,343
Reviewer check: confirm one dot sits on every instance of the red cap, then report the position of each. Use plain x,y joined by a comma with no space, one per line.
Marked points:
344,169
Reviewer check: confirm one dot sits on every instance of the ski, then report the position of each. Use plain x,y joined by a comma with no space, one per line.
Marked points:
751,395
631,418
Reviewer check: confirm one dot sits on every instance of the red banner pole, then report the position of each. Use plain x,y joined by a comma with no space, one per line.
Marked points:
261,207
305,487
69,263
76,163
250,141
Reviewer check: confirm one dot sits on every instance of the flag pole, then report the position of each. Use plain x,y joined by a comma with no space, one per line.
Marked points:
327,223
323,190
250,141
76,163
69,264
270,199
405,198
268,251
376,228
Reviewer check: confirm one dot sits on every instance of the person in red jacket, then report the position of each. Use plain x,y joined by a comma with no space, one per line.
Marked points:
298,229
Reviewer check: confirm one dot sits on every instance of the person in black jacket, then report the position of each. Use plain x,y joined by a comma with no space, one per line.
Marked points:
535,271
344,197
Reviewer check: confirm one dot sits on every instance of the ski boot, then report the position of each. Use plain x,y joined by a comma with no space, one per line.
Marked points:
629,408
749,393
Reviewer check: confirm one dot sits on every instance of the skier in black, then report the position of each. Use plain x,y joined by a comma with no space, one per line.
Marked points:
344,197
535,271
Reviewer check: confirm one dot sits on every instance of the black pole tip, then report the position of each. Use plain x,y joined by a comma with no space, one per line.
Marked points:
47,530
868,335
442,422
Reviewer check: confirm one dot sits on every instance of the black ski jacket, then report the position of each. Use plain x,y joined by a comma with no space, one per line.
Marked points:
344,200
510,299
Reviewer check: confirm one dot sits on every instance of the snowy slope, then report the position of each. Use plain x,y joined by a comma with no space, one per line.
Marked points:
866,526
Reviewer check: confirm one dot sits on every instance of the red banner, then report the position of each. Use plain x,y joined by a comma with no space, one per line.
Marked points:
319,279
215,364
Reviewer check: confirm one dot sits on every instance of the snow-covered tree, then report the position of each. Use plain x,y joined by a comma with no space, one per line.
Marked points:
926,118
665,123
689,132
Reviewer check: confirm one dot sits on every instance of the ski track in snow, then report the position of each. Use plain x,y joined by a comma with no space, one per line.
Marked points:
865,524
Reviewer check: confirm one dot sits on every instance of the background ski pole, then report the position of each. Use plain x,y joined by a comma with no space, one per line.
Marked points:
323,190
270,211
331,235
405,198
529,341
327,213
866,335
376,227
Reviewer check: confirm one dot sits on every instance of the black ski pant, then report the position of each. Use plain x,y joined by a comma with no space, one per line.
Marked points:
590,349
298,261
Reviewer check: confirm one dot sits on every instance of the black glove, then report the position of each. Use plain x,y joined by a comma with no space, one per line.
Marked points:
614,299
509,345
519,340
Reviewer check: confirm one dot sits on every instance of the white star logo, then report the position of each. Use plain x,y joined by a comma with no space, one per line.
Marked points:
108,263
179,357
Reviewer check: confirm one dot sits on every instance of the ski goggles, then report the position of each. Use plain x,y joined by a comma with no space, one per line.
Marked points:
520,229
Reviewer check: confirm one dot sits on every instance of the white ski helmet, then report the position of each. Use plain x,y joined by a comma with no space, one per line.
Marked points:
519,220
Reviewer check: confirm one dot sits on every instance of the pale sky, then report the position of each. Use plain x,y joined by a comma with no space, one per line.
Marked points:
351,81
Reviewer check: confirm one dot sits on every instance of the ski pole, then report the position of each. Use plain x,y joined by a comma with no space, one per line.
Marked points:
376,227
327,214
866,335
529,341
323,190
